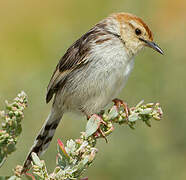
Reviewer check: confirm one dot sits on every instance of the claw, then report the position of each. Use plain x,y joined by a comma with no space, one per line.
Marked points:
120,103
102,134
99,132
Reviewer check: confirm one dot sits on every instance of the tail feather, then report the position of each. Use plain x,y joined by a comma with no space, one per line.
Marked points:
44,138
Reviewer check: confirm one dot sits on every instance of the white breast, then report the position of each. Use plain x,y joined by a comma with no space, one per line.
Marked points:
93,87
108,74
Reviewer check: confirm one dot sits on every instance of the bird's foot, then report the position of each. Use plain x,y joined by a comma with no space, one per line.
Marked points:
99,132
120,103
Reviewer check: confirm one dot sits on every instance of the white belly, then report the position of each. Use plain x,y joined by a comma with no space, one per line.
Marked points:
108,87
90,89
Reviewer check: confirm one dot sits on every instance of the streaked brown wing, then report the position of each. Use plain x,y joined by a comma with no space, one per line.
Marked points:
74,57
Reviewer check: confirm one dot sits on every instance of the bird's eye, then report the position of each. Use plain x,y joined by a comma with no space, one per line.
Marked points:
137,31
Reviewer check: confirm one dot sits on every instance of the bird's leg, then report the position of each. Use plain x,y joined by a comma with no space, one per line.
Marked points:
118,103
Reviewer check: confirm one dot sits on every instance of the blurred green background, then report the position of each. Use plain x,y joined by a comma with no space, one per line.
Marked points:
35,34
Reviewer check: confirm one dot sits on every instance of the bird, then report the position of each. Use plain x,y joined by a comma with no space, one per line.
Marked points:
93,71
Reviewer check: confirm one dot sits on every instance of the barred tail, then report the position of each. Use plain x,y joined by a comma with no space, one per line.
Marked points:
44,137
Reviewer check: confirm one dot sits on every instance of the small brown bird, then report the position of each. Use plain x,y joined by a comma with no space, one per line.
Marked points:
86,77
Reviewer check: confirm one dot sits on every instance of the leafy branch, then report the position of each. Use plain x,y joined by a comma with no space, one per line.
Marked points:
74,158
11,125
77,155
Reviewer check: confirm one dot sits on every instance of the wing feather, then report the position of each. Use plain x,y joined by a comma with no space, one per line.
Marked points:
77,56
74,57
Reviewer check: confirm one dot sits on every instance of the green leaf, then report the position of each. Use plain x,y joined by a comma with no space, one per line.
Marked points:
140,103
63,158
36,160
113,113
92,125
148,123
11,148
80,167
133,117
82,163
61,162
61,149
146,111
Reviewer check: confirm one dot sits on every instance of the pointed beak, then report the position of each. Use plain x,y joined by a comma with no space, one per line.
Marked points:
152,45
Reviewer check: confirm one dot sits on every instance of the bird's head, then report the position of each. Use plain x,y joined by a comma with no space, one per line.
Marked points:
135,33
